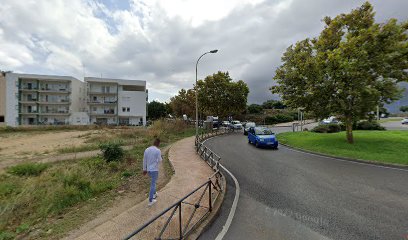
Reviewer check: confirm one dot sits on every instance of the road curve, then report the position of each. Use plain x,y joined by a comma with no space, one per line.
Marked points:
287,194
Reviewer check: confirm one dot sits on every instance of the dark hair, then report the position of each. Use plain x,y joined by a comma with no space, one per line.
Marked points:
156,141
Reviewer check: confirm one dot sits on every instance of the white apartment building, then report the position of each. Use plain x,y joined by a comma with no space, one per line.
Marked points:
116,101
29,99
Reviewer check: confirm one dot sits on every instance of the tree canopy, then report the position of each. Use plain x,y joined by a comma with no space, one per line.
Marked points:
273,104
183,103
349,69
156,110
255,108
403,108
218,95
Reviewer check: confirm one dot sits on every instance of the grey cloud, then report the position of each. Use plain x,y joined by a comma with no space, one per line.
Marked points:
251,40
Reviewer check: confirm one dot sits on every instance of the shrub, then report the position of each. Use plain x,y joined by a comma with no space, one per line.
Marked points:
112,151
7,235
367,125
278,118
28,169
328,128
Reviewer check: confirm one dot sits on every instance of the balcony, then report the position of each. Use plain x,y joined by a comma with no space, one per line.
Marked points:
28,100
54,90
28,89
90,92
105,113
28,112
102,102
54,101
54,112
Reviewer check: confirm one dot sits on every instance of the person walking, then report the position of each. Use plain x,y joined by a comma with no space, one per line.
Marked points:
151,159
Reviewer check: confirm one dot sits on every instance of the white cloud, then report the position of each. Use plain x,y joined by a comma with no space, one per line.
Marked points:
160,40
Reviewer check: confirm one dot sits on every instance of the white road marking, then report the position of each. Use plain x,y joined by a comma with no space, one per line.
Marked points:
231,215
233,208
343,160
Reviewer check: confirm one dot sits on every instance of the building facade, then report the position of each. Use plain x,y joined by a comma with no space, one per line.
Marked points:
116,101
28,99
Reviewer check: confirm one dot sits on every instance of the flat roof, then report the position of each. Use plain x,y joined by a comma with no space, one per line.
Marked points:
114,80
44,77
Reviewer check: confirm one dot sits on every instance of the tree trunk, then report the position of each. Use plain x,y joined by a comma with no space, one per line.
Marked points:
349,131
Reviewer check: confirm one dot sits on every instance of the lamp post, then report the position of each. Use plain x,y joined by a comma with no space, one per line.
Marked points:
196,90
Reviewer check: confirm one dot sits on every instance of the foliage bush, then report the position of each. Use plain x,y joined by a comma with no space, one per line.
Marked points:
327,128
112,151
27,169
278,118
367,125
364,125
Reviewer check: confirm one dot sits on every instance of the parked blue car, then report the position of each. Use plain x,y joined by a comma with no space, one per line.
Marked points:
262,137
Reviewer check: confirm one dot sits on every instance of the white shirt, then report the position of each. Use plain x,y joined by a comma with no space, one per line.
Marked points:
151,159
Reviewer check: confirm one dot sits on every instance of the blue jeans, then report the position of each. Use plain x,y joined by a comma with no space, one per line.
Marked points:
153,175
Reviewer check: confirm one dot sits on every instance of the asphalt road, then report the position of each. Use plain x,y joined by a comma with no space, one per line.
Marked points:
395,125
287,194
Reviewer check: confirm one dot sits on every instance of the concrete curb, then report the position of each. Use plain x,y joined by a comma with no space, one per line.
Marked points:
368,162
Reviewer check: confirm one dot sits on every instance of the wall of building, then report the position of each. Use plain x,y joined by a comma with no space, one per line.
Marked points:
12,99
78,96
134,104
2,99
128,94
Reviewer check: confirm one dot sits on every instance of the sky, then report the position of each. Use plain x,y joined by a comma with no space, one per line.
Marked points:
160,40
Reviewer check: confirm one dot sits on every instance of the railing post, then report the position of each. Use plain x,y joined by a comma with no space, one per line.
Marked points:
209,196
180,226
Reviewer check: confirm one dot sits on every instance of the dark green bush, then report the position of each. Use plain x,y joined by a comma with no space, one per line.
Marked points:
27,169
327,128
367,125
364,125
112,151
278,118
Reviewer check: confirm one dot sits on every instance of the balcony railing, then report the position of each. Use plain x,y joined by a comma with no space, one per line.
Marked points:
28,100
53,111
26,88
102,102
64,90
29,112
54,101
90,92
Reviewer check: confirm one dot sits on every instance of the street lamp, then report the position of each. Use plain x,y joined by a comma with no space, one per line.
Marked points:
196,90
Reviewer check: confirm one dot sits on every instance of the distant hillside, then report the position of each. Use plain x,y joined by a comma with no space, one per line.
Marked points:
394,107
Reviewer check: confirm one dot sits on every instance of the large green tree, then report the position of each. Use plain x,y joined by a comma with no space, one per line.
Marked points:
349,69
254,109
183,103
273,104
218,95
403,108
156,110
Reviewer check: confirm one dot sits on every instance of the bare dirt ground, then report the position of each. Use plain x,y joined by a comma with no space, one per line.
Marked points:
26,146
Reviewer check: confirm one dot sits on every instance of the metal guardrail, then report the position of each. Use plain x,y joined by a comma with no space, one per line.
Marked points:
211,188
184,230
211,133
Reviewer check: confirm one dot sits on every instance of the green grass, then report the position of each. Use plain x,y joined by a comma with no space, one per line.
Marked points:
27,169
378,146
384,120
35,198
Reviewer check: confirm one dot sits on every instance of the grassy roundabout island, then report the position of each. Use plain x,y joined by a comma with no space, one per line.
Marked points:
378,146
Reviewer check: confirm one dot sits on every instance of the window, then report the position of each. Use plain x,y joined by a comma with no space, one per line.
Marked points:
94,109
123,109
128,109
1,118
133,88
